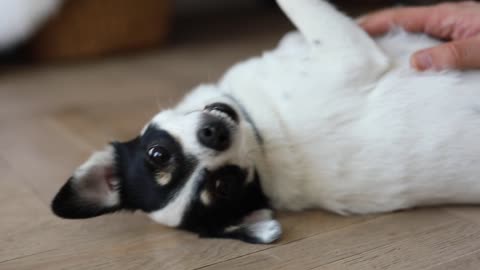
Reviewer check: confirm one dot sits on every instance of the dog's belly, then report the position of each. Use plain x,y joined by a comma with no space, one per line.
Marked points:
403,149
409,140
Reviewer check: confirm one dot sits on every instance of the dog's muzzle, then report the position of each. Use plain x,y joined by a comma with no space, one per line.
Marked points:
215,131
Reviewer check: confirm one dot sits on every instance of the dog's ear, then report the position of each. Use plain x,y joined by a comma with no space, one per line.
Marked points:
259,227
93,189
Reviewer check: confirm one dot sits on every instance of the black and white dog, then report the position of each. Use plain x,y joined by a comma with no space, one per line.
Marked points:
330,119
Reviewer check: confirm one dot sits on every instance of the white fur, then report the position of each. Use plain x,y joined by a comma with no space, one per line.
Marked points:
260,225
265,231
172,214
348,125
20,18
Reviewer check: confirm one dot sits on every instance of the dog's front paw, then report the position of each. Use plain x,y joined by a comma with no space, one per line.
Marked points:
259,227
264,232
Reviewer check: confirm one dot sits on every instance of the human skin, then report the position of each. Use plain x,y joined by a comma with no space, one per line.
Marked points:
457,23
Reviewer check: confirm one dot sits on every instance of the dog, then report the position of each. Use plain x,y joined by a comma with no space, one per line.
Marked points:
330,119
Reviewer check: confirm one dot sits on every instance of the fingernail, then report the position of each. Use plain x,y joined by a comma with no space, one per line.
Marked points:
422,61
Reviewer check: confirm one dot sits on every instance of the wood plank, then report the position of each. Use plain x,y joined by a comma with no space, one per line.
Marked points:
95,126
41,154
20,210
466,262
470,213
120,241
339,246
423,250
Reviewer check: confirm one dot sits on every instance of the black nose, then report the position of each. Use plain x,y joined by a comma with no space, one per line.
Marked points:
214,134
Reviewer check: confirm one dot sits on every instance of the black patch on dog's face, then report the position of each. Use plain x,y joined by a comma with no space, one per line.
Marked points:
232,199
139,189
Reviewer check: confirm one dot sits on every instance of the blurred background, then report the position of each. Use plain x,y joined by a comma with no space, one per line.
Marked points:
59,30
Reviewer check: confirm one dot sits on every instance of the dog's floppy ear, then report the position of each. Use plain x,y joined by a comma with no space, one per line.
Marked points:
259,227
92,190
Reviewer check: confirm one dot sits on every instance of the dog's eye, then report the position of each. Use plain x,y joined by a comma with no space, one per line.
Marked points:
158,155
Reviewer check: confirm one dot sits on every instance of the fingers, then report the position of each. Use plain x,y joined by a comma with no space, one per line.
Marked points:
463,54
448,21
412,19
439,20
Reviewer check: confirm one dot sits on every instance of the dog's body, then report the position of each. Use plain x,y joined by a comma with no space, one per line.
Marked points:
330,119
350,146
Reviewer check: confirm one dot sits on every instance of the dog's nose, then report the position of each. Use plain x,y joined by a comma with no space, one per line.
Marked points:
215,135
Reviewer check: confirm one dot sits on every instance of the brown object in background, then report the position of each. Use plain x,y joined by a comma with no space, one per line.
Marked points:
88,28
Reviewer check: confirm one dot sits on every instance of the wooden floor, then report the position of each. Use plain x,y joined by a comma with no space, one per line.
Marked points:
53,116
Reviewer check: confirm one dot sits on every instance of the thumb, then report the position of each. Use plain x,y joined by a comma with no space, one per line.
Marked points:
462,54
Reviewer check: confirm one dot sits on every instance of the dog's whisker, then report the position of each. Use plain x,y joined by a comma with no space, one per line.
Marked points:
193,111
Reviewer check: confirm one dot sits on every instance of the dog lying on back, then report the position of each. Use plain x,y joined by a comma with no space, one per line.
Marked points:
330,119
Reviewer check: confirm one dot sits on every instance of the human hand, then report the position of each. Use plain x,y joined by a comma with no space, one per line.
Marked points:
459,23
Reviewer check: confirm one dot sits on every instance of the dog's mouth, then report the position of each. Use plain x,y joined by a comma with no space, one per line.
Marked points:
223,112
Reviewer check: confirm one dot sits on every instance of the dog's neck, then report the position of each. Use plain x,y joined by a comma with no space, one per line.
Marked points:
246,115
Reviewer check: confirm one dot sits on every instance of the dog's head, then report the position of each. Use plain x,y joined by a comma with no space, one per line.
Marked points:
192,168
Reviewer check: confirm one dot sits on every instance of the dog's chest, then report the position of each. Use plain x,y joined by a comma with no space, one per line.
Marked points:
304,120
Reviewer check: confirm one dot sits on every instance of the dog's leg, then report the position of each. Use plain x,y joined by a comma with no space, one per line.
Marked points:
330,32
